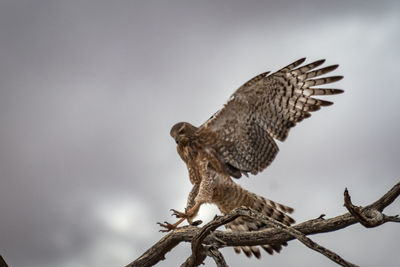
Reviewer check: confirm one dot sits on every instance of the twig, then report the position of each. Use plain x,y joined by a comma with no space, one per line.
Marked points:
3,262
367,217
217,256
371,216
386,199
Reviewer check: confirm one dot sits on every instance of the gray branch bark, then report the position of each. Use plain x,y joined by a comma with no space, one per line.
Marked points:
3,262
206,240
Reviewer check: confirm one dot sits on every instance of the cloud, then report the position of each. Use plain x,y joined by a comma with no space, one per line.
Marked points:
89,92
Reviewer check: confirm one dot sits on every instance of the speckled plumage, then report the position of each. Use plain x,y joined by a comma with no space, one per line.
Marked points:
239,139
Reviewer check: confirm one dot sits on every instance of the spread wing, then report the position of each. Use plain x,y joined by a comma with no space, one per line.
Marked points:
263,109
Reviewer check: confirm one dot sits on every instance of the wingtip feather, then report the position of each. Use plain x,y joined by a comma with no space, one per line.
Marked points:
318,62
337,78
333,67
299,61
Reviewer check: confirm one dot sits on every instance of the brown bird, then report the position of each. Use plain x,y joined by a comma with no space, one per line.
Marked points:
239,139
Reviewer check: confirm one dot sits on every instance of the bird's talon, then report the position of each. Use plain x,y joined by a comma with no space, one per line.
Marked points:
168,227
196,223
179,214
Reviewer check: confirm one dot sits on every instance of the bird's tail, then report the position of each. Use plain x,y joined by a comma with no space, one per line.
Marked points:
266,207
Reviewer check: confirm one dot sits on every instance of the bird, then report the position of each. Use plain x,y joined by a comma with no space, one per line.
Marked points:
239,139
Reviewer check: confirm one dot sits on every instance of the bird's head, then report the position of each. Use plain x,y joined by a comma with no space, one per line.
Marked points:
183,132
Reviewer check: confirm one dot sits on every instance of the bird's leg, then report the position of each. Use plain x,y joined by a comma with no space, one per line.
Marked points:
182,216
188,213
168,227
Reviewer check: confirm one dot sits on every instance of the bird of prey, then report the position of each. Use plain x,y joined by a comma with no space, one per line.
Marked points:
240,139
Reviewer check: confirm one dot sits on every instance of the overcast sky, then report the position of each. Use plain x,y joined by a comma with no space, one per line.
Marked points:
90,89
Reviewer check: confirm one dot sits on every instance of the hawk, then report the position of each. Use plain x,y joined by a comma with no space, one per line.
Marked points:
240,139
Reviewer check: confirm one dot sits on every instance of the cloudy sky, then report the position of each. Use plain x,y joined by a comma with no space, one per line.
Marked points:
90,89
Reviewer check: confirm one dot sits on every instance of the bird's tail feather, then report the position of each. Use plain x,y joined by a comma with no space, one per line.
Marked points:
267,207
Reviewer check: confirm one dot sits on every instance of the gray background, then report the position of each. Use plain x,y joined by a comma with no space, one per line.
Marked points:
90,89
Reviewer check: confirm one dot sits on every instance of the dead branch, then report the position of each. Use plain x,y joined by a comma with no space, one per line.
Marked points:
3,262
206,240
198,250
369,216
296,234
217,256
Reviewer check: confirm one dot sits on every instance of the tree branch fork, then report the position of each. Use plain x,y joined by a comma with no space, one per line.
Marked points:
206,240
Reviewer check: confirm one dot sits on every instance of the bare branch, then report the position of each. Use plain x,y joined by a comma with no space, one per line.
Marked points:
297,234
3,262
213,239
217,256
197,247
387,199
371,216
394,218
